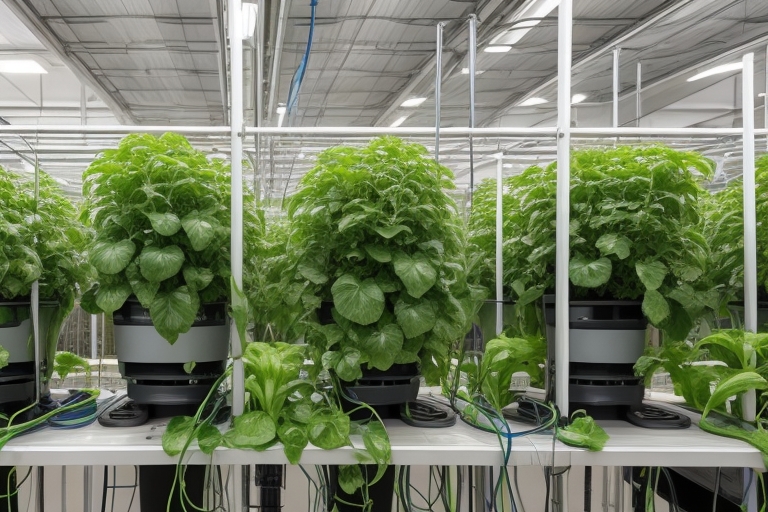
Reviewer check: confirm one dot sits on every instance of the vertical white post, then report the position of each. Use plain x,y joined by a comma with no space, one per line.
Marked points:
472,67
499,243
616,85
438,85
638,91
94,336
750,217
765,98
35,310
87,488
236,250
562,349
83,106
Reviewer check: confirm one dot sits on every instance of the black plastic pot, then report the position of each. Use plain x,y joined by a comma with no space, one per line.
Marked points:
606,339
154,368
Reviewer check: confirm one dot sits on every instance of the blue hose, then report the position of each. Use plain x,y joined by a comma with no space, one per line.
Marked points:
298,76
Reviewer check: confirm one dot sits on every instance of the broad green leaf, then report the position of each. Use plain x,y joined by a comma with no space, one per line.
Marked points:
177,433
583,432
110,298
294,439
655,307
651,274
239,311
158,264
416,318
589,274
251,430
531,294
416,272
4,356
379,253
65,363
333,334
166,224
197,278
313,274
189,366
612,243
110,258
328,429
199,230
376,441
734,385
174,312
350,478
348,365
391,231
208,438
361,302
144,290
382,346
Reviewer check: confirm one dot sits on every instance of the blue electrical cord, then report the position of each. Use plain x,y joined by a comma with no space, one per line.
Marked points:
298,77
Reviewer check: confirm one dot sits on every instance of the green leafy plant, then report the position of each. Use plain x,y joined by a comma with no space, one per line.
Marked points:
374,232
41,240
67,362
635,232
723,225
583,432
161,214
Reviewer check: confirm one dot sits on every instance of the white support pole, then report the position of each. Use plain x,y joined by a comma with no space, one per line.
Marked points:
94,336
638,92
236,250
616,52
438,85
499,243
765,98
562,349
472,69
750,217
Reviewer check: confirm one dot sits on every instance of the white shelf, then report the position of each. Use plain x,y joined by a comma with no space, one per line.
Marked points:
458,445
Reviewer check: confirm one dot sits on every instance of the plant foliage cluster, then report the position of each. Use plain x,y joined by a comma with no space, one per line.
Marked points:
160,209
372,231
634,231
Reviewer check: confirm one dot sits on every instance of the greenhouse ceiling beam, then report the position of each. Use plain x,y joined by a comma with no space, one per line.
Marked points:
277,53
426,70
600,52
32,21
218,29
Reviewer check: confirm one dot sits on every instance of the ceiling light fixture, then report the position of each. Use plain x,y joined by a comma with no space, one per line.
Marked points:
725,68
578,98
413,102
398,121
249,13
496,49
27,66
530,102
465,71
535,9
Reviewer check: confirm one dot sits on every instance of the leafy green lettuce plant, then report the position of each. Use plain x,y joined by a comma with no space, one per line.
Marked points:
374,232
634,232
160,209
41,240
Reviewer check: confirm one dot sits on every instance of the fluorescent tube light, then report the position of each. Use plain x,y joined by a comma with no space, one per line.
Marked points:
281,114
413,102
249,12
27,66
398,121
535,9
496,49
578,98
725,68
465,71
530,102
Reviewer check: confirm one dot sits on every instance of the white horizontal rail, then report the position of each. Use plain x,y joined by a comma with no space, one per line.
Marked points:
426,131
17,129
656,132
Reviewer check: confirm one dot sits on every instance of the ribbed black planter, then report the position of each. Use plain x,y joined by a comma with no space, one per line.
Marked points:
154,368
606,339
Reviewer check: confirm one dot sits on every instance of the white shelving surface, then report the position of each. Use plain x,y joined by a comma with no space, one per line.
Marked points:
457,445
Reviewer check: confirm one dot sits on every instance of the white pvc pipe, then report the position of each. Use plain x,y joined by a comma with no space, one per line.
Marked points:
765,98
94,336
615,120
236,250
750,217
499,244
34,307
438,84
638,91
562,352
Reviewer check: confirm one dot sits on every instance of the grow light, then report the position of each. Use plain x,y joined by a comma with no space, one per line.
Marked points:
725,68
